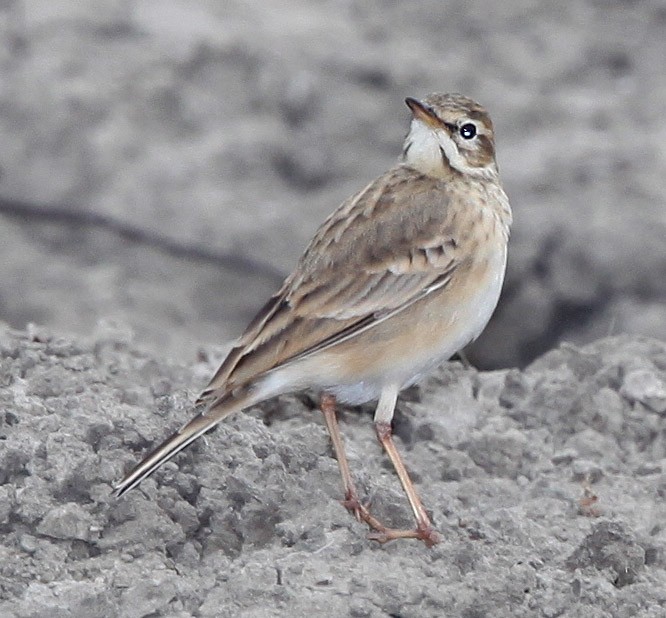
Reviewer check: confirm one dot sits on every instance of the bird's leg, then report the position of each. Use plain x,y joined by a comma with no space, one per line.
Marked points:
351,501
462,357
424,529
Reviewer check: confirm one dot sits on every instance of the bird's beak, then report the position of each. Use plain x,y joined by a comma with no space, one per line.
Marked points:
423,112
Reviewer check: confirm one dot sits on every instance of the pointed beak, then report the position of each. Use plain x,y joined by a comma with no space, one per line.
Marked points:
423,112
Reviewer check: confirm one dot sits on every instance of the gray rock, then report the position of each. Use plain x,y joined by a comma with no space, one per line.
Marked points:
67,522
546,484
610,546
646,387
164,163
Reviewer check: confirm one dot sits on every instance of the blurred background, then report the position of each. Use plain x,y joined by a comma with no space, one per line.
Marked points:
163,163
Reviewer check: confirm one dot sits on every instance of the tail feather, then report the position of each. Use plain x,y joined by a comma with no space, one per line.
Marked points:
199,425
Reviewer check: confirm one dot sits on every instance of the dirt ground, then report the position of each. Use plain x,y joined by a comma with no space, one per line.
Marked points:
162,165
547,486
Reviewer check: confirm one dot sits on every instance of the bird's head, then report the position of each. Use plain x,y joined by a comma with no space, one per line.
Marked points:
450,132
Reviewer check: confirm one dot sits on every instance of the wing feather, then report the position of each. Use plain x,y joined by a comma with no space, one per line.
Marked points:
381,251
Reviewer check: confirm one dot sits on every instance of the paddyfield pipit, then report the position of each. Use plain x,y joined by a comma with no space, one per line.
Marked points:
399,278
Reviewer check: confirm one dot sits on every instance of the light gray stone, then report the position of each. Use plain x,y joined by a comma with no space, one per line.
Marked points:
163,164
547,504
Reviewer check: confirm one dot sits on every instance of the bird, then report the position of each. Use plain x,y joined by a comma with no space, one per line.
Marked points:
400,277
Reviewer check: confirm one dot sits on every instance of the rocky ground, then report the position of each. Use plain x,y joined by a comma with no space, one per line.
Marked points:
547,485
163,163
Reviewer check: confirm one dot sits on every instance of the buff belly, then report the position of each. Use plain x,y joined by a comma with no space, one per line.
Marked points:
394,353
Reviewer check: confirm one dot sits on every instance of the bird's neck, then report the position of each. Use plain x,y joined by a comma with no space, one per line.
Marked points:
422,152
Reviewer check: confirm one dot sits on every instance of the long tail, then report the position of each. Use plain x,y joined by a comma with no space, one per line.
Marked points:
199,425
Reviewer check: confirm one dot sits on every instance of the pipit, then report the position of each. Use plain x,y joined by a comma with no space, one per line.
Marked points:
399,278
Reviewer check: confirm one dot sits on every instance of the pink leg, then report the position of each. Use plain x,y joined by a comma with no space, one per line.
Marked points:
424,530
351,501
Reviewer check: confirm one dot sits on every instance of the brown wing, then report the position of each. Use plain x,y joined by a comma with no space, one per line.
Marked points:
377,253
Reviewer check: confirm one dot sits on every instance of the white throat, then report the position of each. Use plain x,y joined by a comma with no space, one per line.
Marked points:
426,146
423,153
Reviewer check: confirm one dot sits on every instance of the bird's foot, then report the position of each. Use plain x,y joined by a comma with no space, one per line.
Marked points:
423,532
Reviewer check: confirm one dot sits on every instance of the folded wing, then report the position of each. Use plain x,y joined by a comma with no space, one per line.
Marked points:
372,258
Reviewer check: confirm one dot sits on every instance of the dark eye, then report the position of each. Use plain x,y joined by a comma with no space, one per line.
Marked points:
468,130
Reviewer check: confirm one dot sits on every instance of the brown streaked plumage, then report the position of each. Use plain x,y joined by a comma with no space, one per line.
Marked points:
399,278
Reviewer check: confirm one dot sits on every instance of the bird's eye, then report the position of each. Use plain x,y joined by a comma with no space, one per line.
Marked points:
468,130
